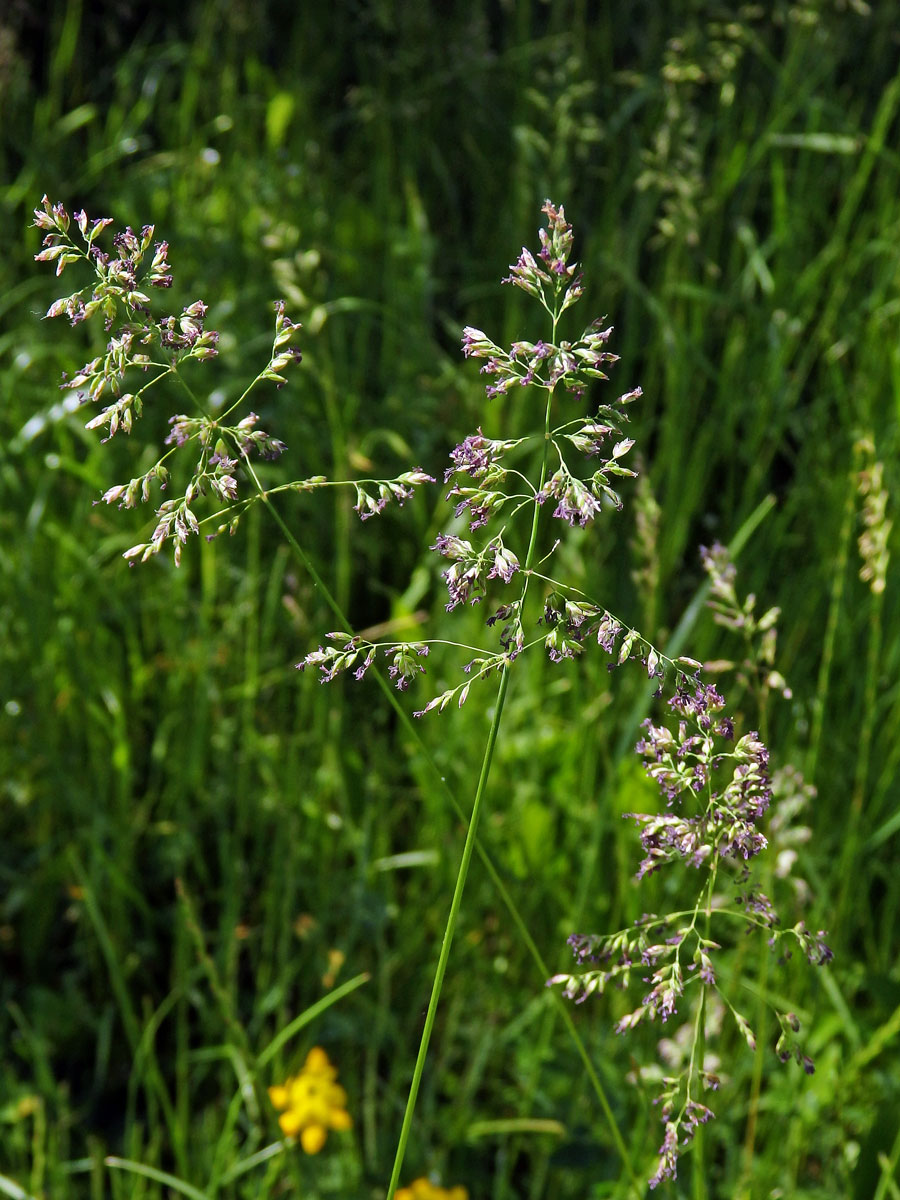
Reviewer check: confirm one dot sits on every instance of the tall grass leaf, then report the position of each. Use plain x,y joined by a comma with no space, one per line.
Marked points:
154,1173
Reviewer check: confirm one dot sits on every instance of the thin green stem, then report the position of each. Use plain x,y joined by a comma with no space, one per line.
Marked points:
698,1051
469,846
851,844
536,517
838,575
888,1166
698,1056
756,1078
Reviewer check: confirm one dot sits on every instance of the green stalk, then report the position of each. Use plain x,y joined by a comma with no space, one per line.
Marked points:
762,983
888,1165
468,848
698,1173
851,846
448,932
835,602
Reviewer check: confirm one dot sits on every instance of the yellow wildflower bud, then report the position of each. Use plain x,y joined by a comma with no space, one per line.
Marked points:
424,1189
312,1139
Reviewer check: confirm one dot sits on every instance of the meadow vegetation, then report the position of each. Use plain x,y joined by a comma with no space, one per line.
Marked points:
224,886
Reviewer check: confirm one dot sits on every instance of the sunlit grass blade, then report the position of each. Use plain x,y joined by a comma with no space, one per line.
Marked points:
147,1172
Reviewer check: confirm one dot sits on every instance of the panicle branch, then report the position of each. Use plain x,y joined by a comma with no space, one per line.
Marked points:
715,792
148,349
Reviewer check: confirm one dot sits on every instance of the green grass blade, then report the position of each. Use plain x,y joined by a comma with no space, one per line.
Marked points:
172,1181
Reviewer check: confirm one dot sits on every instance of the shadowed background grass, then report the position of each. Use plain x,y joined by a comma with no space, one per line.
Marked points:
732,175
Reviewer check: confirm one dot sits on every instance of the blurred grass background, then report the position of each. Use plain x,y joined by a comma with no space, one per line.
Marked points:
732,173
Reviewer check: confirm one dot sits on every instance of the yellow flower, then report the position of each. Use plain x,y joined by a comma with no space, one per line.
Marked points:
313,1102
423,1189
